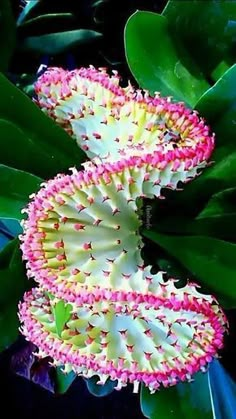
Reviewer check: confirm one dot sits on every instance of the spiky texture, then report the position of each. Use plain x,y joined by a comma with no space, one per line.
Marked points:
82,244
111,122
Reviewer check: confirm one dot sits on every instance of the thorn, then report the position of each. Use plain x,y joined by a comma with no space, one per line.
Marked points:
148,333
87,246
89,328
79,226
89,340
64,219
115,211
61,257
126,276
104,345
97,136
110,260
106,273
97,222
80,207
87,273
119,187
123,332
59,244
90,199
148,355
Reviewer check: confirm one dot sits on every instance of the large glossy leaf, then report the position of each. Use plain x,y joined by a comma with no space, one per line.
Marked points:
13,280
155,61
13,283
211,261
221,203
218,106
207,29
60,42
9,325
220,226
211,395
216,219
5,234
183,401
219,176
12,226
7,34
31,141
15,187
223,392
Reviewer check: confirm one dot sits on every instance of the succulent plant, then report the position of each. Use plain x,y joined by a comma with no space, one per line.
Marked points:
82,241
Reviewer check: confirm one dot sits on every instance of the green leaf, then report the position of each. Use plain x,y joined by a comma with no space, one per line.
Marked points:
183,401
64,381
13,284
100,390
223,391
218,106
222,226
9,326
220,176
60,42
13,280
211,261
210,395
155,61
15,186
27,11
29,140
47,19
12,226
61,312
7,34
221,203
207,29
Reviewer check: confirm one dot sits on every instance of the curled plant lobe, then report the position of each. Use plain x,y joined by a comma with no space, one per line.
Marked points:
161,342
111,122
85,95
82,245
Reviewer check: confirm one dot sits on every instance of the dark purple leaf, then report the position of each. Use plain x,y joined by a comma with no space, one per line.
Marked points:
25,364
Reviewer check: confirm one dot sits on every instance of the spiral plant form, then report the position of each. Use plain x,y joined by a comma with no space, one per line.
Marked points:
82,244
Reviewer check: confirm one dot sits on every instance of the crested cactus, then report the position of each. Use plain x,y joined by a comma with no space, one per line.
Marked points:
111,122
82,242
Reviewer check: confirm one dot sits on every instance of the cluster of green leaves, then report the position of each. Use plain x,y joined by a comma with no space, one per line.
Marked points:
187,52
167,53
70,34
33,148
